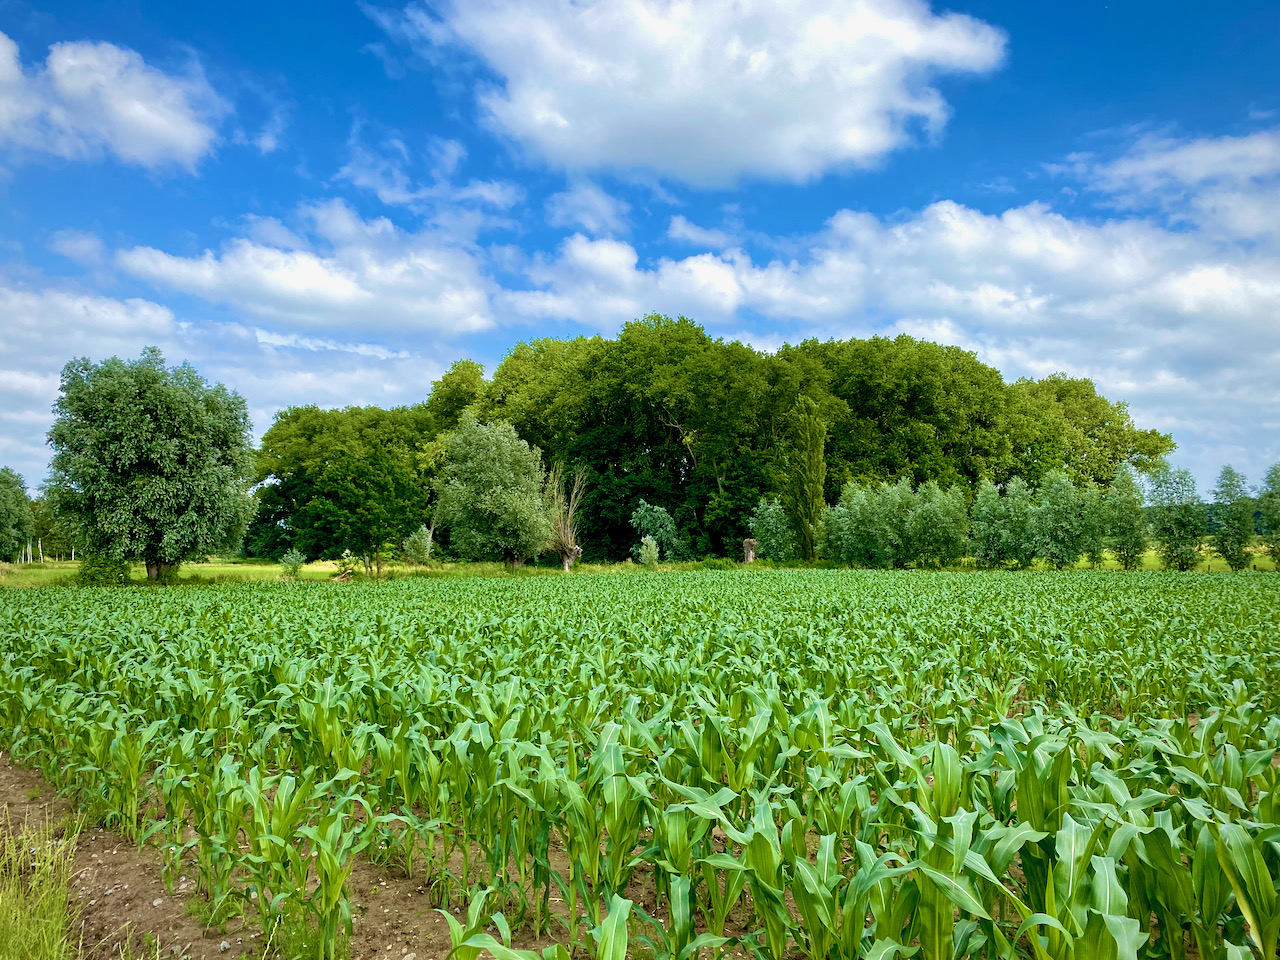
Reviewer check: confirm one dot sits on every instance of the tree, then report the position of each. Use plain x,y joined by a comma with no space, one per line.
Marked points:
1177,522
1269,506
772,530
1003,534
462,386
417,547
356,479
850,529
1093,521
1126,520
806,474
17,524
1235,514
654,523
1056,521
938,525
564,498
491,493
149,463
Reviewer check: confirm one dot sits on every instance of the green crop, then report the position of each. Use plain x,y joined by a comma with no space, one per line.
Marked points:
832,764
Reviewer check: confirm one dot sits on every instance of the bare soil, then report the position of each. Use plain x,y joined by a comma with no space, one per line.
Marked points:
121,900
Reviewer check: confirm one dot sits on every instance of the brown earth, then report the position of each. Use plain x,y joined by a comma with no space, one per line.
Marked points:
122,902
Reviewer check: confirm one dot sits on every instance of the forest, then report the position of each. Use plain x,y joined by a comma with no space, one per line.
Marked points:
666,414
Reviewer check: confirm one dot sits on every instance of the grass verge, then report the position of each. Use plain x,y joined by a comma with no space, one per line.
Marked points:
37,919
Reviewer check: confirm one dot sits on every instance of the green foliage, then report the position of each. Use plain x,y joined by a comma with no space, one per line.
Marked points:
806,475
1003,531
1235,534
1057,521
357,479
771,530
647,551
1068,426
1032,768
293,561
1269,506
462,387
418,546
1126,520
149,463
491,493
654,523
1177,522
1094,520
851,530
17,523
938,526
38,914
99,571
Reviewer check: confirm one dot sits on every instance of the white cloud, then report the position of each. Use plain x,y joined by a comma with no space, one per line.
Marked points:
1228,185
1167,319
713,91
682,230
94,98
385,171
369,275
586,205
83,247
46,327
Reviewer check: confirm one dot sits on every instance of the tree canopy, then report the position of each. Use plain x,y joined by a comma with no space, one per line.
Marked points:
17,523
149,463
705,429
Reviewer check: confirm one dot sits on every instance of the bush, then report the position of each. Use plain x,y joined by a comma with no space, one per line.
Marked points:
772,530
98,571
654,523
418,547
292,562
647,552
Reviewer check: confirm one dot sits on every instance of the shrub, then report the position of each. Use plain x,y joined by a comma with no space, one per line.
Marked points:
292,562
100,571
647,551
772,530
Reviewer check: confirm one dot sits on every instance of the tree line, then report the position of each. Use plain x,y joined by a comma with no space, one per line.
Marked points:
574,447
1014,526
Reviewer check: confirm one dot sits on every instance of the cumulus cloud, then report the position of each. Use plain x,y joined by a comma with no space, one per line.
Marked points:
89,99
586,205
714,91
353,273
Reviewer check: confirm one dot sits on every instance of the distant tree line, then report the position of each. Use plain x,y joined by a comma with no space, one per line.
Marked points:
661,443
666,415
1014,525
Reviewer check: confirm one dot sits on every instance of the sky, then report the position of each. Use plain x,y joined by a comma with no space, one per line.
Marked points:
328,203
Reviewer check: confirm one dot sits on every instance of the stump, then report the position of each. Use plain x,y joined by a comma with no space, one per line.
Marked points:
748,550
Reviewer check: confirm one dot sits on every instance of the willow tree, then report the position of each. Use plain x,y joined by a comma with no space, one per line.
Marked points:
149,463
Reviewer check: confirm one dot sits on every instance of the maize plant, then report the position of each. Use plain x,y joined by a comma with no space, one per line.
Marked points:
831,764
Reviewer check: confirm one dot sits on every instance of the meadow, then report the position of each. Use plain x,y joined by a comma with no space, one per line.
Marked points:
815,763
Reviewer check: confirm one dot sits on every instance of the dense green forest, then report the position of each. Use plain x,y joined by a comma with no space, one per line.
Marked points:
668,415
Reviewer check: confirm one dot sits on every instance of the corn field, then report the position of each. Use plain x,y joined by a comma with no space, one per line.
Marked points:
816,764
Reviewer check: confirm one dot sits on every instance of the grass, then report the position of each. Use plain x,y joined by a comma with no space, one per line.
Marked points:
226,570
37,919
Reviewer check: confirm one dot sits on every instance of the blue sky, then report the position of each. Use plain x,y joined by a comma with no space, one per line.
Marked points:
328,203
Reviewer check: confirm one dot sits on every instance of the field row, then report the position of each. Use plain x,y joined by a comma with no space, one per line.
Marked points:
837,763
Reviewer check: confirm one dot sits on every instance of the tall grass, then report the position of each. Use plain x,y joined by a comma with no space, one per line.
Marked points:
37,920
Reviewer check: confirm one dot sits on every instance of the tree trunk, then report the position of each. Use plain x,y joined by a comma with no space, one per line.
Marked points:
156,569
377,555
748,550
567,560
